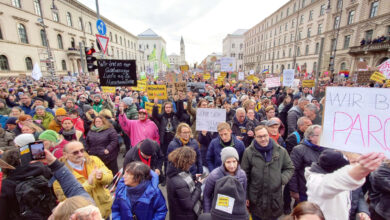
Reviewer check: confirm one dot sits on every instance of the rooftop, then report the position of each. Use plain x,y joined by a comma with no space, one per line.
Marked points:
148,33
239,32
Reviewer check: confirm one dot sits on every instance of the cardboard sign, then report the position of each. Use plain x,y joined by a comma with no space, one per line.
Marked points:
295,83
180,87
225,203
157,91
149,108
207,119
378,77
272,82
241,76
357,119
108,89
308,83
288,77
117,72
141,85
184,68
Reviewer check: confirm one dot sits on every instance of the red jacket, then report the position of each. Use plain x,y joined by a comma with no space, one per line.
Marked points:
78,124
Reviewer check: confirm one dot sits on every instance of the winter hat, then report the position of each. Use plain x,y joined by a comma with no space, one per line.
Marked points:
40,107
24,139
11,121
97,96
228,152
331,160
49,135
229,200
61,112
66,118
147,147
128,101
86,108
270,123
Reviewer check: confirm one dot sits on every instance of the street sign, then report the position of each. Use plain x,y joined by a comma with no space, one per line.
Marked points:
101,27
103,42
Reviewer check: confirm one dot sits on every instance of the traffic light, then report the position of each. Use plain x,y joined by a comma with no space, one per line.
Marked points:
90,59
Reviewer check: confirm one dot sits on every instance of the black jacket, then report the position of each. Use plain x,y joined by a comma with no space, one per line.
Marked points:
380,190
239,130
162,121
204,142
49,100
291,141
292,118
358,204
180,201
156,159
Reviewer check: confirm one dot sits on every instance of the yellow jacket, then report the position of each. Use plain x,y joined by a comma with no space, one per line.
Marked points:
97,190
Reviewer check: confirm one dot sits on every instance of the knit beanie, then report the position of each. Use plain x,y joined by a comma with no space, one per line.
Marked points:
11,121
147,148
61,112
66,118
331,160
49,135
229,200
40,107
228,152
128,101
24,139
86,108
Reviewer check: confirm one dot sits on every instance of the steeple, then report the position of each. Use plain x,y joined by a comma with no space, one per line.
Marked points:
182,52
181,41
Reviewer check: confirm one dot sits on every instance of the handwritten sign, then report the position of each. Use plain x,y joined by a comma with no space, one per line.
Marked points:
357,120
288,77
207,119
228,64
184,68
206,76
108,89
180,87
272,82
117,72
149,107
385,68
141,85
241,76
196,87
378,77
308,83
296,83
157,91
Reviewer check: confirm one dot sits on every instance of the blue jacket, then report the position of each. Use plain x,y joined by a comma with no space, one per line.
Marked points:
197,167
150,206
215,148
28,110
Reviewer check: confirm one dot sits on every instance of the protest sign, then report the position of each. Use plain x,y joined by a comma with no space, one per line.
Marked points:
141,85
108,89
206,76
198,87
170,89
363,77
180,87
288,77
149,108
228,64
207,119
223,74
295,83
157,91
184,68
378,77
308,83
272,82
251,72
385,68
117,72
357,120
241,76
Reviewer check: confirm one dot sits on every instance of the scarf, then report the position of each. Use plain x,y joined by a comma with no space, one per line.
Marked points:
95,129
265,151
313,146
184,141
275,137
191,185
69,135
143,160
227,144
134,193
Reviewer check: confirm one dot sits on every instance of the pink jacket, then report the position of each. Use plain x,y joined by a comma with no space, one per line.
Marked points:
139,130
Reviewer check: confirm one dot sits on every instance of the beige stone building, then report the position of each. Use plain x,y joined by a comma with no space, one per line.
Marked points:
233,46
23,42
292,35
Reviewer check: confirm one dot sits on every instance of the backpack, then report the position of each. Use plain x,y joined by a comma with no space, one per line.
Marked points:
297,136
35,198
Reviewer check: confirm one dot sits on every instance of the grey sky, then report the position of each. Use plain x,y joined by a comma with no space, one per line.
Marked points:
202,23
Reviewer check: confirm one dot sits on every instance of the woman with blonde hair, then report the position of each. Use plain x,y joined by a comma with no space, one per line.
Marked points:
182,138
31,128
16,112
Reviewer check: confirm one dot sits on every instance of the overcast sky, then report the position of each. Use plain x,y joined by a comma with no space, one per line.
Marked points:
202,23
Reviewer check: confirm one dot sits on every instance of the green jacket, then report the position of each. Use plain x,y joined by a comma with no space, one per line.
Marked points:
5,111
265,180
102,105
45,120
132,112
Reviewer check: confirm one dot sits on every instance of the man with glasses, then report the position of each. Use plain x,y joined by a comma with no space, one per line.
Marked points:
90,172
267,166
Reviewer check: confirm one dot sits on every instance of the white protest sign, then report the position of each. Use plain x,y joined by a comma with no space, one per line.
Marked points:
385,68
228,64
207,119
288,77
357,120
272,82
251,72
241,76
295,83
67,78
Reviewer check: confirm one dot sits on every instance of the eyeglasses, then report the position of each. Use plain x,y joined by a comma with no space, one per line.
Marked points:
75,153
261,136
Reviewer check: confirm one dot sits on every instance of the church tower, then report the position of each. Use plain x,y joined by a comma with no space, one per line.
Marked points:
182,52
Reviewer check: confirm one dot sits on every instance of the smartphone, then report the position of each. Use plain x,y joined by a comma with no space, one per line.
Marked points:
203,176
37,150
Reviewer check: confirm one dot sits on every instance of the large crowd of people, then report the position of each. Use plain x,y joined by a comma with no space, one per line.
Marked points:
264,162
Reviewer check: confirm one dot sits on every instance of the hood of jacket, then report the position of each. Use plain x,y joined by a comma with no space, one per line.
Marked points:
297,109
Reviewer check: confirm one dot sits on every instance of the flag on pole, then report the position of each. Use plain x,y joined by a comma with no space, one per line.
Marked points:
36,73
152,56
265,71
164,58
299,69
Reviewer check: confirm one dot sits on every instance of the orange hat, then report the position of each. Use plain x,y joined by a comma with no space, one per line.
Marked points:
61,112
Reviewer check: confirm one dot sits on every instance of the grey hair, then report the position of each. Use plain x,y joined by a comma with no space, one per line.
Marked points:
312,107
301,120
240,110
310,131
303,99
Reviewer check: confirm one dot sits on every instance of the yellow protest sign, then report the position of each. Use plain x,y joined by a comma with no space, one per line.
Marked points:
108,89
388,83
141,86
308,83
206,76
223,74
250,77
255,79
157,91
149,107
184,68
378,77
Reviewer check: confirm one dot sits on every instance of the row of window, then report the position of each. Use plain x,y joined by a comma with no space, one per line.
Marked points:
234,46
240,56
4,65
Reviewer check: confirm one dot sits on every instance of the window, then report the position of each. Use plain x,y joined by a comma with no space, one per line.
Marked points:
369,34
241,46
69,19
81,25
388,31
111,37
374,9
154,46
307,50
284,54
322,10
286,27
288,66
16,3
43,38
339,4
90,27
37,7
63,64
56,17
343,66
319,30
298,51
116,40
29,64
295,7
308,32
1,35
351,15
299,35
4,63
288,11
317,50
311,15
147,46
22,34
333,44
347,39
302,18
336,22
303,3
72,43
293,23
59,40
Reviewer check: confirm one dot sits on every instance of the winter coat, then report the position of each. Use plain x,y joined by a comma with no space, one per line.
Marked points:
156,159
265,180
204,142
78,136
216,174
97,142
215,148
241,129
230,114
292,141
6,139
197,167
132,112
58,149
79,124
75,107
150,206
102,105
162,120
5,110
88,119
139,130
358,204
332,191
28,110
45,120
292,118
53,125
302,156
9,207
180,200
97,190
380,190
49,100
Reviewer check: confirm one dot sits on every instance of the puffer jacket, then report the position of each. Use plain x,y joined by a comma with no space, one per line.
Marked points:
150,206
45,120
97,190
132,112
6,139
292,118
162,120
204,141
380,190
265,180
97,142
197,167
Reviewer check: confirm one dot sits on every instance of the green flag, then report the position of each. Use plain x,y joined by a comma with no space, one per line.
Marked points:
152,56
164,58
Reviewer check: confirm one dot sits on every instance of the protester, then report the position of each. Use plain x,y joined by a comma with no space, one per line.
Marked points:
42,116
294,114
77,121
242,128
31,128
379,193
4,109
53,142
297,136
306,211
6,139
69,133
129,108
55,124
272,126
311,111
88,117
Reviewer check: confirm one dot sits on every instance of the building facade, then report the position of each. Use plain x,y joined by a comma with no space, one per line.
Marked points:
149,41
211,62
23,40
291,37
233,46
174,61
